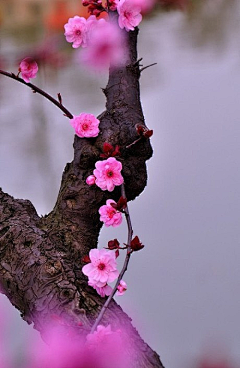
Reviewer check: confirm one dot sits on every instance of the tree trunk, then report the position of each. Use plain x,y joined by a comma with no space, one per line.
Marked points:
40,257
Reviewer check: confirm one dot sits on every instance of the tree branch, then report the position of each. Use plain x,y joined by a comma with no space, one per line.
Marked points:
40,258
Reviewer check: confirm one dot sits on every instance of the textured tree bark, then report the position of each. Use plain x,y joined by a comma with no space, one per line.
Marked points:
40,257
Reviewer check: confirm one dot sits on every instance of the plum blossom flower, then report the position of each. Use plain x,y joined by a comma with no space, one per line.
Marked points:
122,287
102,269
106,45
129,14
76,31
103,291
28,68
108,174
91,180
85,125
109,215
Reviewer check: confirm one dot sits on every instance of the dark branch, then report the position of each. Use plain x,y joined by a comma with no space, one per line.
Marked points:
40,91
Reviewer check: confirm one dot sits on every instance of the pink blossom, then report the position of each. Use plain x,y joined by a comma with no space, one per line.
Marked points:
102,269
103,291
145,5
28,68
90,180
129,14
99,336
108,174
106,45
75,31
109,215
85,125
122,287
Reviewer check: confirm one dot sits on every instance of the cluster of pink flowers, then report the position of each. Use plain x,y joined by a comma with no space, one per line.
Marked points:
104,347
102,41
101,270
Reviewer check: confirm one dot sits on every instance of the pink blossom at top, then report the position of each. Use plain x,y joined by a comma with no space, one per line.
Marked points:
102,269
28,68
109,215
85,125
76,31
106,46
145,5
122,287
103,291
129,14
108,174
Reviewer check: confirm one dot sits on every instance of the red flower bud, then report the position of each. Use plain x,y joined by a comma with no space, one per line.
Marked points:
86,259
144,131
148,133
110,151
120,205
113,244
136,244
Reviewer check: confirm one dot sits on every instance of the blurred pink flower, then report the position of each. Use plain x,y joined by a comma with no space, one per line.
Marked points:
106,46
110,346
122,287
103,291
129,14
108,174
102,269
28,68
145,5
99,336
90,180
109,215
75,31
85,125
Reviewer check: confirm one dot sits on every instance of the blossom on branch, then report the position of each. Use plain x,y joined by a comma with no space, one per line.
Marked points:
109,215
108,174
129,14
103,291
122,287
106,45
102,268
76,31
85,125
28,68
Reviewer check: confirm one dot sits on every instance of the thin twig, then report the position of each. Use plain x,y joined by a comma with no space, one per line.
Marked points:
40,91
132,144
125,265
148,66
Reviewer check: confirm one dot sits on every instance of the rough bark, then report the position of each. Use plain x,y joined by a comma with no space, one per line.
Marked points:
40,257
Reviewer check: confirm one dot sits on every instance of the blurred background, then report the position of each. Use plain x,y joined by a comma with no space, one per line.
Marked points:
184,287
